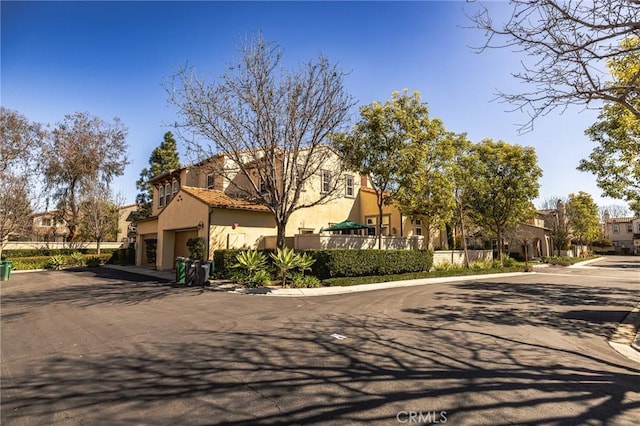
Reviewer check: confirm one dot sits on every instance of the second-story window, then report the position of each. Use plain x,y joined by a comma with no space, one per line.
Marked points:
638,227
629,228
325,186
616,228
161,197
348,186
176,187
167,193
211,181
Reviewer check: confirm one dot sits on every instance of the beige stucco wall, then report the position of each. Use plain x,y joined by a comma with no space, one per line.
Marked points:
123,225
239,228
183,213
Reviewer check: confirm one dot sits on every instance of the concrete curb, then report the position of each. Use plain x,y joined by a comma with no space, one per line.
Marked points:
586,262
327,291
626,339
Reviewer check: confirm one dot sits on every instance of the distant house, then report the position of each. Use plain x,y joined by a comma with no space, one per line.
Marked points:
47,227
197,201
624,232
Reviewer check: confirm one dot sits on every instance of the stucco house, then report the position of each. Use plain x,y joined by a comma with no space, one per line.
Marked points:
199,201
624,232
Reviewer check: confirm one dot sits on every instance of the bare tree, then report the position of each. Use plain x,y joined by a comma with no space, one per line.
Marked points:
82,151
566,44
614,210
100,210
551,202
267,125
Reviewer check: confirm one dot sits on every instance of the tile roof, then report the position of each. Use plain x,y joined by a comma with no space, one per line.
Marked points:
214,198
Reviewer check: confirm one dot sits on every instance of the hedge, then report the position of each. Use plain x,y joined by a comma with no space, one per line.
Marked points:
42,262
346,263
123,257
20,253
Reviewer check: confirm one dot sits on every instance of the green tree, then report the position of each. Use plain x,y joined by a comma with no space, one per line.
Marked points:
425,183
163,159
83,151
616,160
583,218
376,144
269,124
506,180
462,178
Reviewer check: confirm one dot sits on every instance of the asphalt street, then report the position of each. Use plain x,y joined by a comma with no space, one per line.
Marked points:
100,346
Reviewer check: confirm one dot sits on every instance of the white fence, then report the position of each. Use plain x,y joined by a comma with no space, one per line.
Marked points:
320,242
29,245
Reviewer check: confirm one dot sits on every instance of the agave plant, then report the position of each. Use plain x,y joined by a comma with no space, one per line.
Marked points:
252,261
77,257
57,261
305,261
285,260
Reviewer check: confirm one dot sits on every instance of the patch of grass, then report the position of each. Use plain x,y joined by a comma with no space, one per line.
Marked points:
348,281
566,261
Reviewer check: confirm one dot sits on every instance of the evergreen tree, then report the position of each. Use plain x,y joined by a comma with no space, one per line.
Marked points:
163,159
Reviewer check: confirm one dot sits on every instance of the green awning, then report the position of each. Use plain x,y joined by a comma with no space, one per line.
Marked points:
345,226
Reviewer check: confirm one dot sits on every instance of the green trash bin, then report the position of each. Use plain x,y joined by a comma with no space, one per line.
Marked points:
5,270
181,270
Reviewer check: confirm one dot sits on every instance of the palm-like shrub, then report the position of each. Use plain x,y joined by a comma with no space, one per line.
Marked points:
285,260
251,261
77,258
57,262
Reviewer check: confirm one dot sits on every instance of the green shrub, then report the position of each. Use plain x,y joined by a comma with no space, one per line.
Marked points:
259,279
21,253
354,263
343,263
93,261
251,261
507,261
196,246
123,257
57,262
77,258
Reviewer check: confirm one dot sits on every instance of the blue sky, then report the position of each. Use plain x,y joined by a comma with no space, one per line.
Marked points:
111,59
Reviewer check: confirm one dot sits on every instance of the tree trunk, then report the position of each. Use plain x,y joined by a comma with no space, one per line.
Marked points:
280,239
463,239
380,205
98,246
499,236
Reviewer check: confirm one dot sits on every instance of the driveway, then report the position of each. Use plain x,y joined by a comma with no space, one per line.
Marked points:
105,347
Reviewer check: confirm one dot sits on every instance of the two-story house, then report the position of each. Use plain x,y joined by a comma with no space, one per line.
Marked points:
624,233
205,200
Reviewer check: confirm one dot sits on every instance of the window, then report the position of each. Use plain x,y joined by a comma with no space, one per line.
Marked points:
616,228
161,196
629,228
167,193
46,221
326,181
263,186
348,186
211,181
638,227
418,221
176,187
418,231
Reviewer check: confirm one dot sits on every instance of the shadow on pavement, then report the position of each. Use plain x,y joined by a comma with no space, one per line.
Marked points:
307,377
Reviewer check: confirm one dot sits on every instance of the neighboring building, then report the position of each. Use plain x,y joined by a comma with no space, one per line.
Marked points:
126,224
624,233
48,228
195,201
